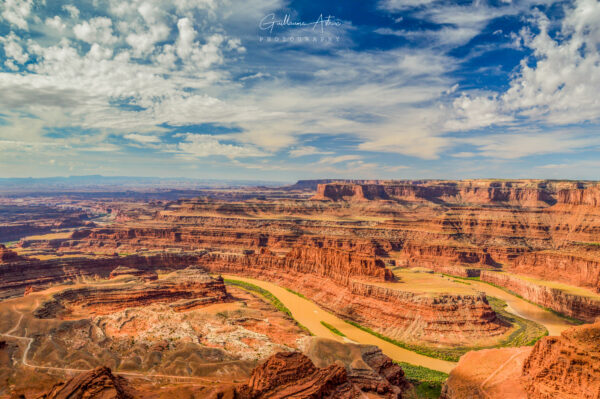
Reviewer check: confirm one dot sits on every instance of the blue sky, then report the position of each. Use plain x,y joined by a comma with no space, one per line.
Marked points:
282,90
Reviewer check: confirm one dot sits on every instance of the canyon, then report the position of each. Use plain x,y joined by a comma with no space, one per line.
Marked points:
404,260
565,366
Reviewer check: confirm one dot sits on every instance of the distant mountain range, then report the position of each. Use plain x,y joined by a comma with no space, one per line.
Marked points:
90,181
99,183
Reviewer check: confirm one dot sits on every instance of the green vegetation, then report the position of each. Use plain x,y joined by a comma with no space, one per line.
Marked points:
438,353
428,383
461,282
296,293
267,295
332,329
554,312
527,333
589,244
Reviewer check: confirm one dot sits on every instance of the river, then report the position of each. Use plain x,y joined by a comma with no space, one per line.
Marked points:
310,315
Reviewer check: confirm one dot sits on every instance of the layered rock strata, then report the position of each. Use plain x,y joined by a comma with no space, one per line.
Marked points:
565,367
98,383
348,286
577,306
6,255
130,271
16,276
184,290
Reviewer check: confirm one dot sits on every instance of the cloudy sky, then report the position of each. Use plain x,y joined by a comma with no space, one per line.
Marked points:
280,90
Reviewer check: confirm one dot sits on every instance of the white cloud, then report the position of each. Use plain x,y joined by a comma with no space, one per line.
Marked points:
56,23
96,30
13,49
72,10
475,112
142,138
518,145
16,12
302,151
205,145
339,159
559,88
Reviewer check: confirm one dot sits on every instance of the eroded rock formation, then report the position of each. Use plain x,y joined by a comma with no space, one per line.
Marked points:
130,271
565,367
184,290
347,284
576,306
16,276
99,383
6,255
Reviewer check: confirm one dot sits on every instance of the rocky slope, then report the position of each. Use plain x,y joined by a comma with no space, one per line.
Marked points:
556,367
576,306
346,284
368,368
565,367
6,255
293,375
17,276
99,383
285,375
184,290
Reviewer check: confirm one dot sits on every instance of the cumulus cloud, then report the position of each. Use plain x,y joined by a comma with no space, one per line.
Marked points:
557,84
72,10
96,30
16,12
13,49
205,145
561,87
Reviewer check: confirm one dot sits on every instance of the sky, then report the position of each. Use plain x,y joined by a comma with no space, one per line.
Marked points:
285,90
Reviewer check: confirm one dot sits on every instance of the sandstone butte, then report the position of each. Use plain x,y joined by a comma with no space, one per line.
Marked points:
283,375
566,367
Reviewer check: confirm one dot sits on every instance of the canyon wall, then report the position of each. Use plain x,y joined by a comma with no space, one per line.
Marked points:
346,284
565,367
517,192
576,306
476,192
16,277
185,289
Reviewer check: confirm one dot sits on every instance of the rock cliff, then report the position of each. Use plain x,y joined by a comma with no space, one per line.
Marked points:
184,290
348,286
6,255
476,192
565,367
99,383
576,306
16,276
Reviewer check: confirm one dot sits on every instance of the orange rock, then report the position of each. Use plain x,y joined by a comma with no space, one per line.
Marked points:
566,367
98,383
